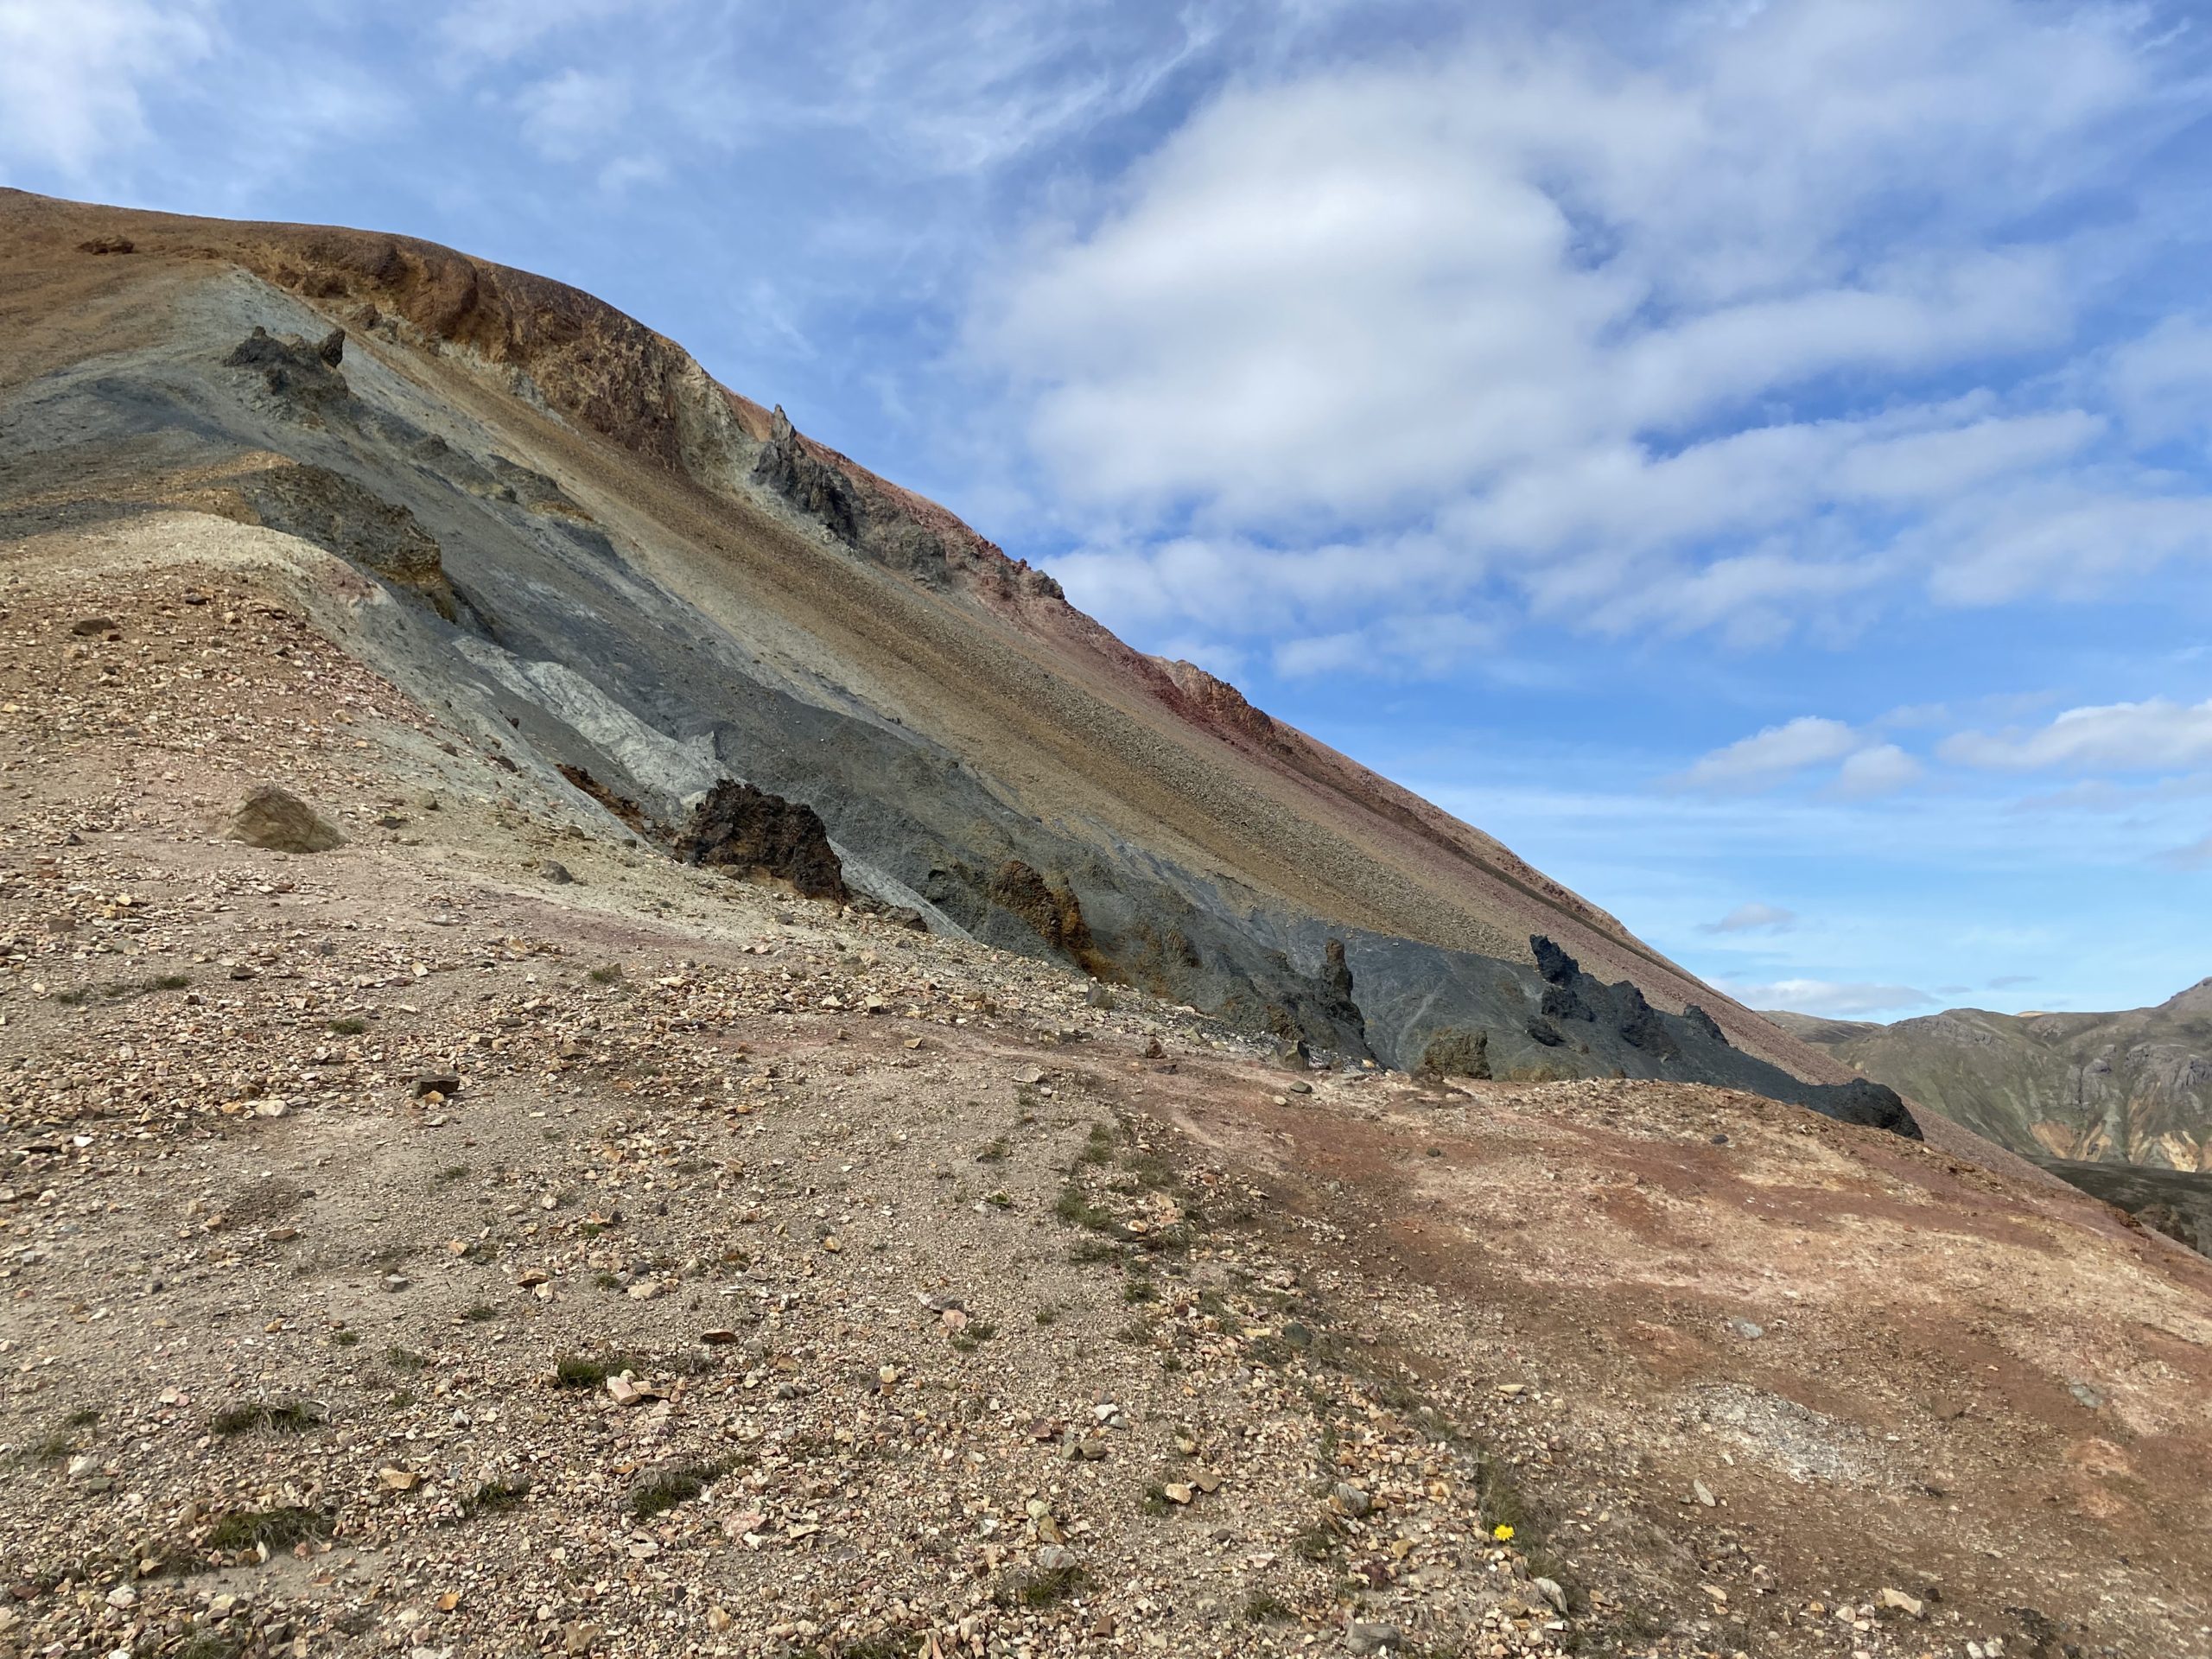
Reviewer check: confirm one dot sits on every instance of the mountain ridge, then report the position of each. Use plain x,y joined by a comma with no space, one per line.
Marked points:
758,605
2133,1086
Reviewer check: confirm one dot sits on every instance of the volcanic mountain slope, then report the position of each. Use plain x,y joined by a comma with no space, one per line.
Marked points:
2127,1088
634,586
487,1236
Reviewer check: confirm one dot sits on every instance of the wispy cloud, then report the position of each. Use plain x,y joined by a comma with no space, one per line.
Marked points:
2155,735
72,76
2196,855
1752,918
1836,1001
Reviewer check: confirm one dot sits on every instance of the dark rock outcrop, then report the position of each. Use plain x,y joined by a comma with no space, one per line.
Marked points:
1455,1052
1339,1006
1554,965
751,832
1863,1101
620,805
787,468
1050,910
1640,1023
1704,1023
1564,1002
303,374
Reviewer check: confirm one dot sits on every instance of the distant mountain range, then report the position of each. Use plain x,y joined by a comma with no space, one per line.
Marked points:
2134,1087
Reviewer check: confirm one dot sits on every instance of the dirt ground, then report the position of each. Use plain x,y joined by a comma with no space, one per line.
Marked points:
489,1237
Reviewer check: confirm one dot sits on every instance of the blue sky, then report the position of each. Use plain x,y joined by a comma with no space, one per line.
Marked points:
1755,459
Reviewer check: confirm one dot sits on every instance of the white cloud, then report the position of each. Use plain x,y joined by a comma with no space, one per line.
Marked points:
2066,539
1752,918
1882,770
1836,1001
71,74
2156,735
2162,381
565,116
1778,753
1556,306
1775,753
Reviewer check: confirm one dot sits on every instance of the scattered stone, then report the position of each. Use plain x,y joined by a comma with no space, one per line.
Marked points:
1703,1493
1362,1638
1897,1601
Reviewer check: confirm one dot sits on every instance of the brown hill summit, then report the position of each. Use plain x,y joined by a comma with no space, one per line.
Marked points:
489,1164
620,575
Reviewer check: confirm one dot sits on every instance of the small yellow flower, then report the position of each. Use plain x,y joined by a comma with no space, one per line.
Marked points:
1502,1533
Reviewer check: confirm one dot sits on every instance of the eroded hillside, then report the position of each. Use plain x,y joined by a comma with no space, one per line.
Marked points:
632,586
492,1235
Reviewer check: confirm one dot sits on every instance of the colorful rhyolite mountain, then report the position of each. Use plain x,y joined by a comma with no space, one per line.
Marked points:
547,521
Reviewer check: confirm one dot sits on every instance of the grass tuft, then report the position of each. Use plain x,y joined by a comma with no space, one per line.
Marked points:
279,1528
283,1416
1048,1587
663,1489
495,1497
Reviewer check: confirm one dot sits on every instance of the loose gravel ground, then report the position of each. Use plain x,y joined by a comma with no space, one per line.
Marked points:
486,1237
